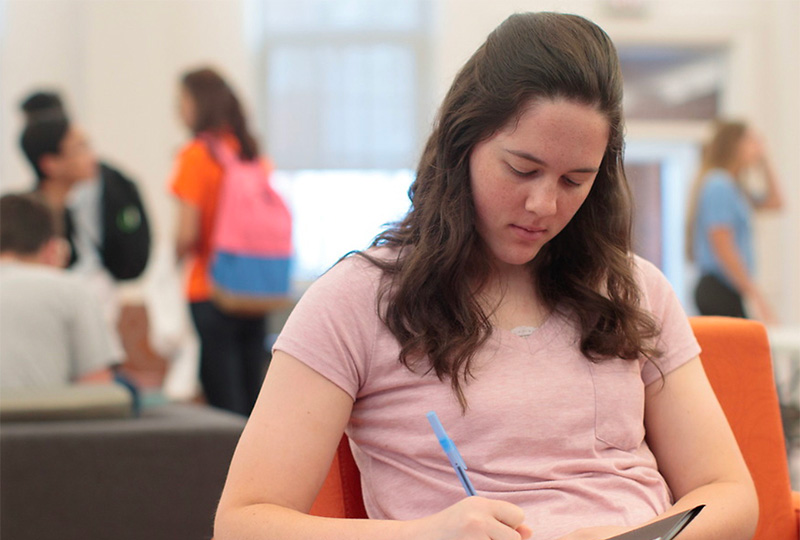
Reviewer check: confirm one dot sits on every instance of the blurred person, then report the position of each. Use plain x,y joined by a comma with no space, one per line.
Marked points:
62,158
233,354
52,332
107,224
720,230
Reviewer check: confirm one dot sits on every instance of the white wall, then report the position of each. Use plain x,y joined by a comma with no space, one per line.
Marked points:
764,79
118,61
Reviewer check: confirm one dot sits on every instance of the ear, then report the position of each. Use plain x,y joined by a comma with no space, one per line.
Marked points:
55,252
48,164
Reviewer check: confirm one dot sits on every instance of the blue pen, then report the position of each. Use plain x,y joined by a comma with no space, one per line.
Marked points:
453,455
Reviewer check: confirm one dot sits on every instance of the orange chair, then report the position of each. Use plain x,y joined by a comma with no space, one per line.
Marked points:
736,357
340,495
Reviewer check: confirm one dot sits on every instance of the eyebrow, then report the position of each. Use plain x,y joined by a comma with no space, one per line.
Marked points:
531,157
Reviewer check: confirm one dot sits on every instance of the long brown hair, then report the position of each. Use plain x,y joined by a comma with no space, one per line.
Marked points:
720,152
217,109
587,271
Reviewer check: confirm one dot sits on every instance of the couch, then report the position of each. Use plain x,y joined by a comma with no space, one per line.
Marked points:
158,476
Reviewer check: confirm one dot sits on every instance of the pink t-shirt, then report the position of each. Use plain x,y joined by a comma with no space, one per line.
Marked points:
545,429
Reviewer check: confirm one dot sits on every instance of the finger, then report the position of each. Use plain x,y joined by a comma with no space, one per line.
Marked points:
524,531
500,531
507,513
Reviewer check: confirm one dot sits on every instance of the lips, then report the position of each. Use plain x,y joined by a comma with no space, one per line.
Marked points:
529,233
531,229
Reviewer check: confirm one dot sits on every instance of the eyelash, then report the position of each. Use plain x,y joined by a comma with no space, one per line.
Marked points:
529,174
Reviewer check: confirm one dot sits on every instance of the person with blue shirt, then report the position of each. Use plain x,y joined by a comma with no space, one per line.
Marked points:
720,226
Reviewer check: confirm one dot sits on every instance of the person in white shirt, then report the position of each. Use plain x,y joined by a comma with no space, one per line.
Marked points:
52,331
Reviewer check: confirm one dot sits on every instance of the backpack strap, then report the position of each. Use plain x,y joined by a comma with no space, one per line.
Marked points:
217,149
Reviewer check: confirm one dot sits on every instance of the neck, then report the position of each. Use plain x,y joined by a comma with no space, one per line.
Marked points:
512,300
55,193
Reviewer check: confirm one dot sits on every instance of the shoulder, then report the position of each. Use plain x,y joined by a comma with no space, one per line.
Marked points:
719,182
195,171
352,283
44,281
651,281
110,173
645,271
33,272
356,269
196,151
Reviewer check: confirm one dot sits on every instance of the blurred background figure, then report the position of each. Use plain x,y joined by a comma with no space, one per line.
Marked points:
104,221
107,224
720,230
52,331
233,353
61,157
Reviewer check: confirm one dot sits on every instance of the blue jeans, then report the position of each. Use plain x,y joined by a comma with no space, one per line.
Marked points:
233,357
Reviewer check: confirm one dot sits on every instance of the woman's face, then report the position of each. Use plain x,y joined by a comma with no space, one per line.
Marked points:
187,110
531,177
750,149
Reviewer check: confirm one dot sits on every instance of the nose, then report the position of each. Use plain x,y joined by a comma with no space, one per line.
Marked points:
542,197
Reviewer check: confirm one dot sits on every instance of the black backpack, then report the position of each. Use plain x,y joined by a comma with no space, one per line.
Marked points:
125,243
125,231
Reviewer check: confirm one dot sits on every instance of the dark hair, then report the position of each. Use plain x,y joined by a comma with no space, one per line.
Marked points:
586,271
720,152
41,104
42,137
26,224
217,109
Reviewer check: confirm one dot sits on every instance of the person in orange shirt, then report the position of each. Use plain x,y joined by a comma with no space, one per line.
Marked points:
233,356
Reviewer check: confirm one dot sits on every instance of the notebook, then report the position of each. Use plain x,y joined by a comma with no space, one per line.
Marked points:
663,529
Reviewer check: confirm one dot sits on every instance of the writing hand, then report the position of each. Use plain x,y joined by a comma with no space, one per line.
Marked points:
475,518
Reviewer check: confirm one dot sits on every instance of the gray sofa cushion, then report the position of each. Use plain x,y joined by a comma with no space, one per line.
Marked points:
154,477
66,402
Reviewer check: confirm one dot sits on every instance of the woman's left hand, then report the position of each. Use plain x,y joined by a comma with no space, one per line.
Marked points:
595,533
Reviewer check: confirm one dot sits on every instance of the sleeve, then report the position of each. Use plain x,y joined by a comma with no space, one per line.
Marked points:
718,202
333,327
189,178
676,340
92,346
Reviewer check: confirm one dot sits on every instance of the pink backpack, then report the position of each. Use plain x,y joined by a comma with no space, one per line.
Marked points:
251,242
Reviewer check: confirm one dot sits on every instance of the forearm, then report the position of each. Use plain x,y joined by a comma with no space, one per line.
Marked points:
730,512
731,261
735,270
773,199
183,248
269,521
187,230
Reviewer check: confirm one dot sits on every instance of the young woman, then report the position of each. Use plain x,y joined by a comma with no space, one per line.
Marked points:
507,301
233,358
720,228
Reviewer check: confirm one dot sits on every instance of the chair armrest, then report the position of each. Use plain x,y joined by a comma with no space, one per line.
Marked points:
796,507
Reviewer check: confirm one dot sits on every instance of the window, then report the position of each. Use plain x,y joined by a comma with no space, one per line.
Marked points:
342,88
672,83
343,81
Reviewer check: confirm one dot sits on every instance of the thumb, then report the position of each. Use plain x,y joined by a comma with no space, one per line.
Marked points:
524,531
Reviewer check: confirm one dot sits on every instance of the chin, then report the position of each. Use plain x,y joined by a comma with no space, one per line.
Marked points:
516,259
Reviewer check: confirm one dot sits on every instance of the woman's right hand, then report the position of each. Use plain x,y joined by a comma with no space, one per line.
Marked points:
474,518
